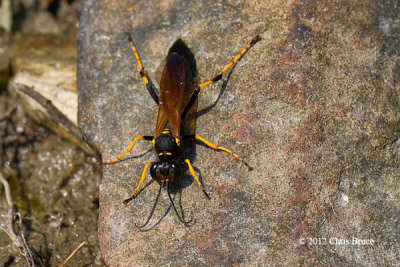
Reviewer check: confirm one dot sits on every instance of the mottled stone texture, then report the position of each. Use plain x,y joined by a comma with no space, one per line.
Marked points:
314,107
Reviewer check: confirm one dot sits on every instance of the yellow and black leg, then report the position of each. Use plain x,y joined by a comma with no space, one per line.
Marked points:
126,201
143,74
196,92
143,137
191,170
208,143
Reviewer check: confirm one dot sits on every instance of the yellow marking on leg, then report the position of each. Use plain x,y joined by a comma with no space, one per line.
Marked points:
140,183
144,78
239,56
205,84
139,61
208,143
235,59
128,150
191,170
142,178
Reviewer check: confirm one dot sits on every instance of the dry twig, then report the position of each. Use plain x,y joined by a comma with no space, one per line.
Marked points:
73,253
18,241
57,116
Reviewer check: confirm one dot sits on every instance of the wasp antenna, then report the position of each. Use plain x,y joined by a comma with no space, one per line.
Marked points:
151,213
181,218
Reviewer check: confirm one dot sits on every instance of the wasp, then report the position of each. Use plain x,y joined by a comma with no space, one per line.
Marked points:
172,110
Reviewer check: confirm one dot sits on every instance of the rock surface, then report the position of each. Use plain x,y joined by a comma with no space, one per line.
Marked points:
53,184
314,107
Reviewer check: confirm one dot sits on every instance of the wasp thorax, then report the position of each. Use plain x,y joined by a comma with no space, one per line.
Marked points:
166,146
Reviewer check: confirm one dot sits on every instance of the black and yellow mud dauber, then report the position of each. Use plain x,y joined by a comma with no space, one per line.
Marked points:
172,110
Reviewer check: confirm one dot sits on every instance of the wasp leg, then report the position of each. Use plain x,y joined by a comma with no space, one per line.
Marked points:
126,201
208,143
219,76
239,56
143,74
187,161
143,137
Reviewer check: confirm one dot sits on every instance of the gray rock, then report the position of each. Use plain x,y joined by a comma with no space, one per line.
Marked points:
314,107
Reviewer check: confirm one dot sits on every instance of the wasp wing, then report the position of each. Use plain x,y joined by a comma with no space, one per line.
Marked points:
172,87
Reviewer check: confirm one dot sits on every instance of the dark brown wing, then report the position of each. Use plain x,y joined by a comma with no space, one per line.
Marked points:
161,121
172,86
